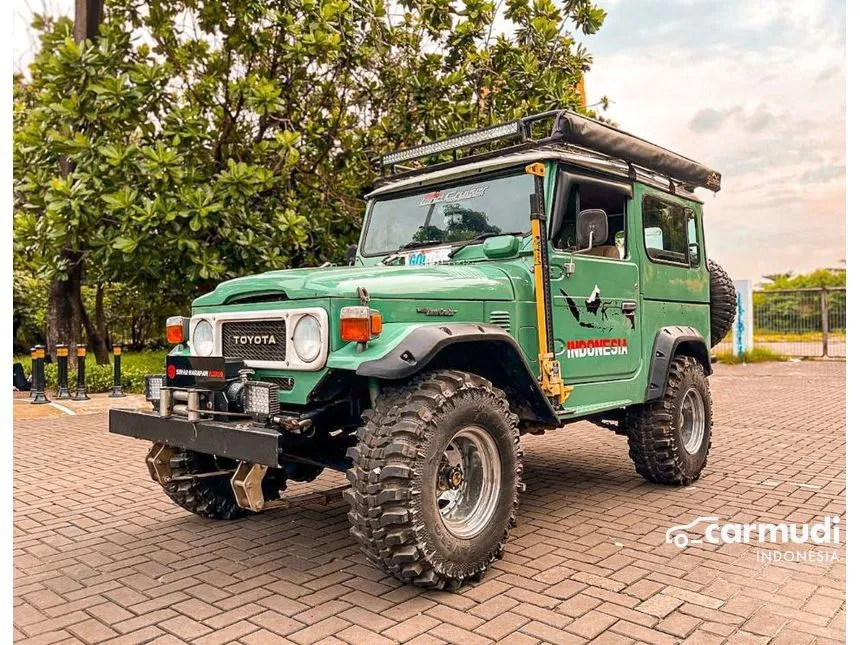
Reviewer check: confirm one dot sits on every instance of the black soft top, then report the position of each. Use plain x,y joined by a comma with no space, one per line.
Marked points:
581,131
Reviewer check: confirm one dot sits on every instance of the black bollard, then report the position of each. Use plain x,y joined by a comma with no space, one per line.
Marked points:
38,356
63,372
81,391
116,391
33,361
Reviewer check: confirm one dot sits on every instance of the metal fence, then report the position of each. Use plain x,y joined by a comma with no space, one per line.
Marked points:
800,322
803,323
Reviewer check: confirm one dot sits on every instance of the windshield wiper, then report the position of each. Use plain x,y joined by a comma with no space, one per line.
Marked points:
480,238
415,243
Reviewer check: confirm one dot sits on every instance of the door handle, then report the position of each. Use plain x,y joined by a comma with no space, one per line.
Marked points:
628,307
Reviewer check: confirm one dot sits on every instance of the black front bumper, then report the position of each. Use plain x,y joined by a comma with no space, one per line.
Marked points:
242,441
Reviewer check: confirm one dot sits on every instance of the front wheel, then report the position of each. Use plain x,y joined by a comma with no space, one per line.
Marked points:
670,438
436,478
192,487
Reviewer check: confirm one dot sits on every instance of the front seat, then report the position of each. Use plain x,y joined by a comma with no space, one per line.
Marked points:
607,251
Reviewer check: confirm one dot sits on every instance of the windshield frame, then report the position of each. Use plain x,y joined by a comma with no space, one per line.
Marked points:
500,173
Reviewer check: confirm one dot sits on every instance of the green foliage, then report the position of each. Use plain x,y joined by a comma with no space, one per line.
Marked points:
28,314
168,159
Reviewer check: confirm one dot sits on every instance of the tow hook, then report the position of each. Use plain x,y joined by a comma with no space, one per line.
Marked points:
247,484
296,425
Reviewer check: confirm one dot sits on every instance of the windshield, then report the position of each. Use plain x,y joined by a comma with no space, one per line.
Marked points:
451,214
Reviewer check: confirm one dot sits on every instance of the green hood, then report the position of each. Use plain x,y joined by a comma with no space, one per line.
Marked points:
436,282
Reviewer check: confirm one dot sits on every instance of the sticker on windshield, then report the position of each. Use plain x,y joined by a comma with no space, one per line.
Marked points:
429,256
443,197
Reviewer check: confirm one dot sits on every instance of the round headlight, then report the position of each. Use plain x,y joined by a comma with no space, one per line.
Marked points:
307,338
203,338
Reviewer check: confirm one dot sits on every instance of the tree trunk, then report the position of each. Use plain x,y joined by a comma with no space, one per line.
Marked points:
63,321
88,15
96,341
101,323
64,296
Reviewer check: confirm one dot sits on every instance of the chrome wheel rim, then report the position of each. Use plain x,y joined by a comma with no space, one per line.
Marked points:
468,481
692,420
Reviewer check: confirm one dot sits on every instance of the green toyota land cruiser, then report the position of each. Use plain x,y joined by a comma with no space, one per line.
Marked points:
507,281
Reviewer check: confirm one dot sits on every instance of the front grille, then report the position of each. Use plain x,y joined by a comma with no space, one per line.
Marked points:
283,382
255,340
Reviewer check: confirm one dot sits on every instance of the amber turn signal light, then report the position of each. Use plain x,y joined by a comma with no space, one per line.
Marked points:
359,324
375,323
177,330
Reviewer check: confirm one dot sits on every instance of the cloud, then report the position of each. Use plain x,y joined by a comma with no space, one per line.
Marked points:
830,72
823,174
709,119
758,121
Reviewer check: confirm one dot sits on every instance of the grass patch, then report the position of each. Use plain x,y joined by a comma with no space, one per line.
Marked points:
757,355
99,378
796,337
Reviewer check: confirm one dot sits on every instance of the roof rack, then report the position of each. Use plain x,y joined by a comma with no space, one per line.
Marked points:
567,128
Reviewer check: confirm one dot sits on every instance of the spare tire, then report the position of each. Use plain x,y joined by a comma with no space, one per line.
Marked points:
724,302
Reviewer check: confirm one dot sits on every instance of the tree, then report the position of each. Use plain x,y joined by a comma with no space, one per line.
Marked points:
811,280
243,139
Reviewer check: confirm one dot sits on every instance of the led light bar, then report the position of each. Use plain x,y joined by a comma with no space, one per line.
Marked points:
502,131
261,398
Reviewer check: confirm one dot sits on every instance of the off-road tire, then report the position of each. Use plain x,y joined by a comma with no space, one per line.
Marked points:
394,511
210,497
724,302
654,431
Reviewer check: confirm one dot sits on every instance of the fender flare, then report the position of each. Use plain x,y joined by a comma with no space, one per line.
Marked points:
667,343
424,344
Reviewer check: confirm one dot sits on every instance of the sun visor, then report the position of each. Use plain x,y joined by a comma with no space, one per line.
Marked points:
600,137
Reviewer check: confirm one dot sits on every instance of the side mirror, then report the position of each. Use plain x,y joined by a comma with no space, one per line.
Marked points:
351,252
592,228
501,247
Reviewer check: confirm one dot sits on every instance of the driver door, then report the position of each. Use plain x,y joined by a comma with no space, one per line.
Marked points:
595,291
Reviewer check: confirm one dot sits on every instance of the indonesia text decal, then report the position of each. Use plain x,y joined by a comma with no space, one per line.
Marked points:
596,347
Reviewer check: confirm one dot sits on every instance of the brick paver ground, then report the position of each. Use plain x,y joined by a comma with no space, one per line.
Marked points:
24,410
102,556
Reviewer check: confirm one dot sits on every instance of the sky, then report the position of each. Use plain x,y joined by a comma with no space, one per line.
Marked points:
753,89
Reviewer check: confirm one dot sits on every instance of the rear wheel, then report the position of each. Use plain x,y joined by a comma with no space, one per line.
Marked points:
436,478
669,438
